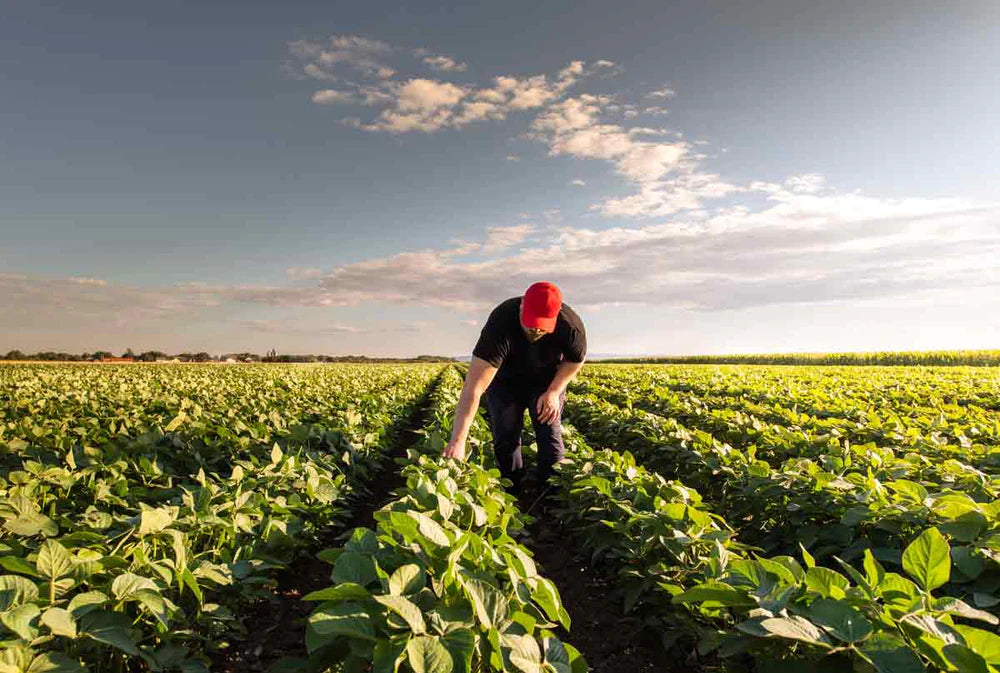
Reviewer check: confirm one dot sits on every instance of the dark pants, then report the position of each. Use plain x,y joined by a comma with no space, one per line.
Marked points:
506,405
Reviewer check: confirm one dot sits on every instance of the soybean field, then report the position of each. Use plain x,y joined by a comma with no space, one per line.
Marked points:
705,518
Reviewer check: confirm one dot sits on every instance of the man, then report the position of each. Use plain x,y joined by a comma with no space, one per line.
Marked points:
529,350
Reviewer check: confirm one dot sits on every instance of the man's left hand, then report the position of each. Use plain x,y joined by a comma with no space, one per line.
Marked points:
547,406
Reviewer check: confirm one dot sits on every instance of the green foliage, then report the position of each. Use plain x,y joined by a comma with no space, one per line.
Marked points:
441,585
144,507
897,536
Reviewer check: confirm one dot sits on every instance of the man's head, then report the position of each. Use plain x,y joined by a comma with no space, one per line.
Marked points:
540,309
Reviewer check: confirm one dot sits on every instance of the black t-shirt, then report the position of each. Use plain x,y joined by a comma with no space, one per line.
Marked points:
503,344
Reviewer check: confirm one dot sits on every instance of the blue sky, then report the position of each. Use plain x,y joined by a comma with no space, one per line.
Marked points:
347,177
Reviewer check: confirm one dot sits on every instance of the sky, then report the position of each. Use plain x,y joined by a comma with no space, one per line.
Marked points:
344,177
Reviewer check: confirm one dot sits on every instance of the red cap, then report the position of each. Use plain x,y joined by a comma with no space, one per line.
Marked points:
540,307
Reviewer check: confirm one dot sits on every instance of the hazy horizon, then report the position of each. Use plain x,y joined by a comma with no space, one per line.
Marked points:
705,178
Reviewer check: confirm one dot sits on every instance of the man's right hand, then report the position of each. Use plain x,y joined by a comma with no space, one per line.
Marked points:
454,450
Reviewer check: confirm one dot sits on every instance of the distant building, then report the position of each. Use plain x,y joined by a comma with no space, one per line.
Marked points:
117,359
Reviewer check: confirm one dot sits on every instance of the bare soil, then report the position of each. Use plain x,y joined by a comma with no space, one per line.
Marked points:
610,641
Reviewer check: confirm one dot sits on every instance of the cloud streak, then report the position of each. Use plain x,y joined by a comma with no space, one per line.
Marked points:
805,245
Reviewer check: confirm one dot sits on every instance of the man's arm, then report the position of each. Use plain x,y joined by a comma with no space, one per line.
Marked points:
480,375
548,402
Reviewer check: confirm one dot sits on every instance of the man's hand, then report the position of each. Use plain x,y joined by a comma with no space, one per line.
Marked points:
454,450
548,406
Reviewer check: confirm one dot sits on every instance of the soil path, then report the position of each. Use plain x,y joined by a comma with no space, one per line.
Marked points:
610,641
276,627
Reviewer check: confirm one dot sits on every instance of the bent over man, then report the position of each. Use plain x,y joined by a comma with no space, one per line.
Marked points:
529,350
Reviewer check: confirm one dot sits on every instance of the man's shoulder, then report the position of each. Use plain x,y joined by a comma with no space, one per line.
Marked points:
506,308
570,317
504,312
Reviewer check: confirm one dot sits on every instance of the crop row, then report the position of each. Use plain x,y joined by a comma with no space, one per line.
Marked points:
145,507
836,505
786,429
440,585
682,566
965,396
896,388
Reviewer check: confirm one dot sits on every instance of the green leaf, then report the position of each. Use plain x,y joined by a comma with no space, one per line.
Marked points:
476,592
20,620
461,643
576,661
964,659
191,582
525,654
54,561
955,606
55,662
152,521
794,627
431,529
386,656
343,619
407,579
276,454
363,541
355,568
110,628
85,602
127,584
153,602
16,590
176,422
828,583
347,591
843,621
714,593
16,564
15,658
928,559
889,654
405,609
426,654
985,643
32,523
546,596
60,622
807,558
555,655
873,569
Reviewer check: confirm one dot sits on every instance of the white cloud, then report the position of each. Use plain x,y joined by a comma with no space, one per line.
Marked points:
665,92
427,95
332,96
666,172
302,273
796,248
285,328
577,183
501,238
420,104
445,64
573,127
513,157
321,60
810,183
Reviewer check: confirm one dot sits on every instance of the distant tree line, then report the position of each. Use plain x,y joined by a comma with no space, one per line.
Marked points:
973,358
159,356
